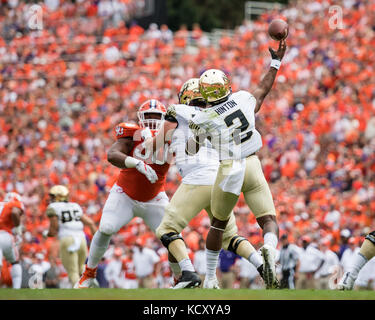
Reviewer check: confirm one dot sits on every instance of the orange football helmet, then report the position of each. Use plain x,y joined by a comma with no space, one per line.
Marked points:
149,109
12,196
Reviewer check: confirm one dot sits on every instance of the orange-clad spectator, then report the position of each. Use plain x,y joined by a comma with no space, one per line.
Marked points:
66,86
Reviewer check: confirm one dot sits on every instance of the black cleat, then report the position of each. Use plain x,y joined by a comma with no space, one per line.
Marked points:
188,279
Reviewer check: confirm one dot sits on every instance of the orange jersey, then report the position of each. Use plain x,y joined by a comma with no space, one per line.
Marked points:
129,268
134,183
6,222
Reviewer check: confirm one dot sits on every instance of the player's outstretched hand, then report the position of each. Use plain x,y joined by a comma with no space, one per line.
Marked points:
279,54
147,171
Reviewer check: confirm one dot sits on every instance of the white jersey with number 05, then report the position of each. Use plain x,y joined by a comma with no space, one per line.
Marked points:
200,169
69,215
230,126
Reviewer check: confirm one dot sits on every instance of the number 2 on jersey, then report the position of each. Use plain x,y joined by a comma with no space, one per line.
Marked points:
229,121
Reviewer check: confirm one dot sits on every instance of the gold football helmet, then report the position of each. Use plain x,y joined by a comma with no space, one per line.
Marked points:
59,193
214,85
189,93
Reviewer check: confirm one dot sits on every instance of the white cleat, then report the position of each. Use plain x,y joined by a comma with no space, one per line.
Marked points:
346,282
269,267
88,283
211,284
87,280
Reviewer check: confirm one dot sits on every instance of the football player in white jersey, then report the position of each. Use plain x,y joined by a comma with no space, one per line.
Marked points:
67,222
229,124
362,257
194,194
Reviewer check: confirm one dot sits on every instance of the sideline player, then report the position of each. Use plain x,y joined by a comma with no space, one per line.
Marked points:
11,211
194,193
139,189
67,221
229,124
365,254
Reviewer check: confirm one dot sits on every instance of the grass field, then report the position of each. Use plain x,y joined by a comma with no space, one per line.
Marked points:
191,294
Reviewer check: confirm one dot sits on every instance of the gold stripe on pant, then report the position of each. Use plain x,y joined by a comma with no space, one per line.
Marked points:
186,203
255,189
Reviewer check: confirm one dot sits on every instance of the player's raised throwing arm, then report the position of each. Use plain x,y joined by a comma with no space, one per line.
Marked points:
266,84
118,155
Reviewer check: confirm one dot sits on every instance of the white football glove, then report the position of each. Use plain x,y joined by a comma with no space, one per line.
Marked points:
142,167
147,171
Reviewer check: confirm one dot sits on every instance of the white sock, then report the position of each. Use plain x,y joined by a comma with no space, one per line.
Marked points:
212,258
16,273
359,262
98,247
175,267
255,259
186,265
271,239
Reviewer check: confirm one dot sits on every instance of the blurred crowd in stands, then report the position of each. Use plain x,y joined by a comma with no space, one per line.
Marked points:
65,87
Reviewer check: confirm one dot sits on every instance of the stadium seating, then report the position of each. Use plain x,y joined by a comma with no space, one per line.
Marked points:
64,88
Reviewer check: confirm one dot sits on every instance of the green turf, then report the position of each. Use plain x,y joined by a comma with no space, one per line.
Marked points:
188,294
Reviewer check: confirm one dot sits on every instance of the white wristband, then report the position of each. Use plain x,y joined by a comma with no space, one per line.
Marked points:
131,162
275,64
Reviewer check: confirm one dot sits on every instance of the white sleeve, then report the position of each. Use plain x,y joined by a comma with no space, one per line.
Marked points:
250,99
197,124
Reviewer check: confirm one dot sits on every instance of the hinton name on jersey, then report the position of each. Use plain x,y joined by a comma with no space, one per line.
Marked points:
231,133
143,190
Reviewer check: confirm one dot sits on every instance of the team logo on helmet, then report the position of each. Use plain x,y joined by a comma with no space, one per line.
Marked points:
189,93
214,85
147,112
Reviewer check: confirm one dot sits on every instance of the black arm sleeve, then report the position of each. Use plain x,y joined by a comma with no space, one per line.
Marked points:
170,118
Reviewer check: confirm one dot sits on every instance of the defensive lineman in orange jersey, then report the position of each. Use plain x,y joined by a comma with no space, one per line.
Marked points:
10,215
139,189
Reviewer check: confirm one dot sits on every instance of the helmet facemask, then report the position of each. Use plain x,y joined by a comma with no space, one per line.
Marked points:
11,196
152,120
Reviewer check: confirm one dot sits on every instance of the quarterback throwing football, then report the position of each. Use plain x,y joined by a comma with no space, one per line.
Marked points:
229,124
194,193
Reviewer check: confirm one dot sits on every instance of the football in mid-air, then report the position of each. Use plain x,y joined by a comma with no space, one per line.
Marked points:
278,29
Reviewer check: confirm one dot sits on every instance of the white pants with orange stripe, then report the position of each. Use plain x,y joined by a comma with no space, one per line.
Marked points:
8,248
120,209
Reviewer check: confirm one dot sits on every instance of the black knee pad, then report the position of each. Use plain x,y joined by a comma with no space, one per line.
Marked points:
371,237
234,248
167,238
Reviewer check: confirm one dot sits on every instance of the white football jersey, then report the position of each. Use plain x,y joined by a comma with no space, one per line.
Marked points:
230,126
201,168
69,214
